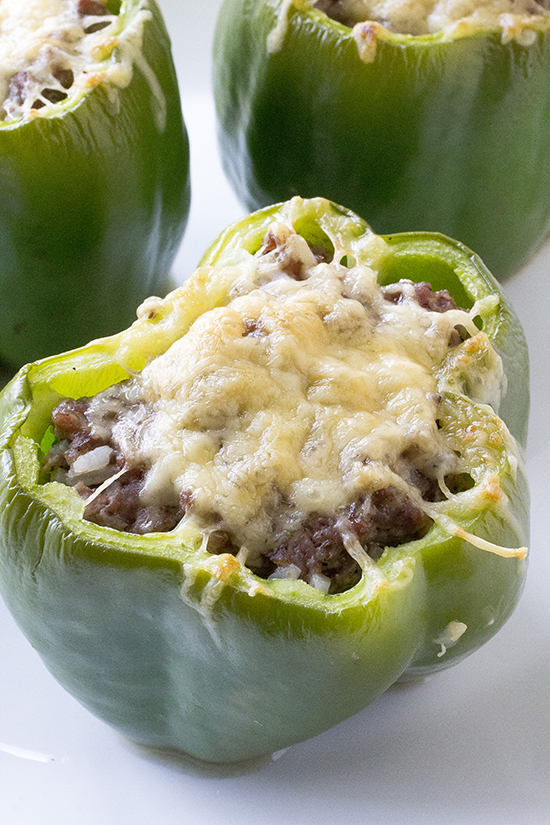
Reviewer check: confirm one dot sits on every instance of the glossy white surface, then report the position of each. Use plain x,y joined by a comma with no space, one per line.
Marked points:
471,745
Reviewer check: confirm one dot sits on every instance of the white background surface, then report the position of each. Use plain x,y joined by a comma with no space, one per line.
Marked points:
471,745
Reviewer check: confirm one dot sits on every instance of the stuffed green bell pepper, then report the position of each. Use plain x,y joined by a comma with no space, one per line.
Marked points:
416,115
283,488
94,170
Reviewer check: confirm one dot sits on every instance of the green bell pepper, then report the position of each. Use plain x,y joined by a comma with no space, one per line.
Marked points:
447,132
95,191
178,647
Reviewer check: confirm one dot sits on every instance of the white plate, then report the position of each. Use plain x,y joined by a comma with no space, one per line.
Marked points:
471,745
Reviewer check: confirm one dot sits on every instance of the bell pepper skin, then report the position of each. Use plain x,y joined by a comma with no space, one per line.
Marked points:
439,132
95,198
179,648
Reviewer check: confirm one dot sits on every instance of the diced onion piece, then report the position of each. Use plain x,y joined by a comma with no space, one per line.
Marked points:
320,582
291,571
93,460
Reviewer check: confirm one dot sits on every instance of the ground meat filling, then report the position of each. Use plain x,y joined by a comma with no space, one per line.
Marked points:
424,295
50,76
386,518
92,8
89,455
85,459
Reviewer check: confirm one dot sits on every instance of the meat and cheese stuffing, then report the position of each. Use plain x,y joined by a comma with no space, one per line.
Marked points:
53,50
419,17
294,424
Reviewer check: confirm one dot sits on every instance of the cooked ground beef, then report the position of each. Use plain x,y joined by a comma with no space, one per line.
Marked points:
92,7
119,505
440,301
317,549
384,519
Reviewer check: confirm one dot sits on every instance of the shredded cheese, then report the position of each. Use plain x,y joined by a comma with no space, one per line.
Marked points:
50,52
450,636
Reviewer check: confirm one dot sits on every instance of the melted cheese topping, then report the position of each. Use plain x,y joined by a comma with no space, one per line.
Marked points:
294,398
419,17
49,50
